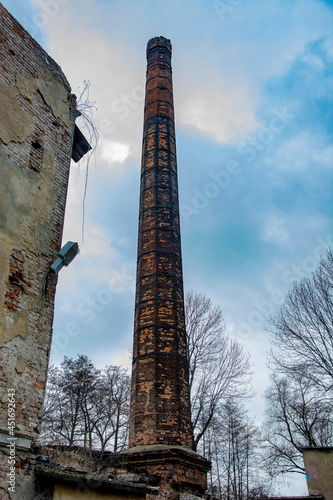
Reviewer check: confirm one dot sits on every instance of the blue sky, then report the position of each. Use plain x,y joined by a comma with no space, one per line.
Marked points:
253,105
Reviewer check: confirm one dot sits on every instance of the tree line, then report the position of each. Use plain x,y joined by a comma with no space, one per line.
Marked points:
85,406
300,397
88,407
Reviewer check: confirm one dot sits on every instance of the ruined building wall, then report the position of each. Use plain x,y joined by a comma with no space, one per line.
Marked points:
37,114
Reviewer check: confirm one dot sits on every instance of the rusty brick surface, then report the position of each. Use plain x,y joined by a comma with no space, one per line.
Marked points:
160,408
176,471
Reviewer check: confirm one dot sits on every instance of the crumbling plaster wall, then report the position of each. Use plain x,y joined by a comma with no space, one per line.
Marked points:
64,492
37,115
318,464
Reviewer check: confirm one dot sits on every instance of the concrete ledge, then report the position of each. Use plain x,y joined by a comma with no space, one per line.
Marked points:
159,448
74,477
21,442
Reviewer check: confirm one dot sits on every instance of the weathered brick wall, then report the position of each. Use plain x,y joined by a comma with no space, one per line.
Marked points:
175,470
160,407
36,132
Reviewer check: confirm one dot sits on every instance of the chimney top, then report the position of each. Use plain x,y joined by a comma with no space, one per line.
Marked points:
159,48
158,41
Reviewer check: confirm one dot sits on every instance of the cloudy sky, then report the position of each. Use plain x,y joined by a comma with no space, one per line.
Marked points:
253,102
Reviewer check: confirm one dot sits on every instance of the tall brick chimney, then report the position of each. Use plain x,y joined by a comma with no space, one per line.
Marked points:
160,421
160,408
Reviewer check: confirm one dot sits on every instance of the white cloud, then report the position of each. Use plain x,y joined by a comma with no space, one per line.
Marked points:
219,105
274,230
302,151
114,152
116,75
220,108
95,263
118,357
97,243
121,280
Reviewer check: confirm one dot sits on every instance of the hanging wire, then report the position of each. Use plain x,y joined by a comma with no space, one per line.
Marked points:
86,107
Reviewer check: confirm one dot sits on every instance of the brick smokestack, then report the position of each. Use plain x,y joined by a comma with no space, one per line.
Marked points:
160,402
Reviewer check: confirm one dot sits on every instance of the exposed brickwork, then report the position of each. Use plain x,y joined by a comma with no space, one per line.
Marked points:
160,410
24,477
176,471
16,283
160,423
36,133
36,151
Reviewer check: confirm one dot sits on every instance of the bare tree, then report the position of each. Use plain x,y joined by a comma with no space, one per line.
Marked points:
303,328
219,367
297,416
219,376
69,397
53,410
85,406
204,329
299,400
233,444
112,409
